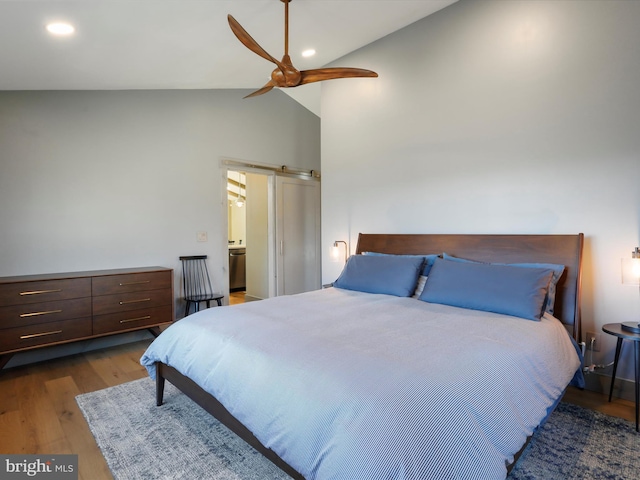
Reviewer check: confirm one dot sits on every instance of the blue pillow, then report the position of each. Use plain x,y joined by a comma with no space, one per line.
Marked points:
516,291
428,259
558,270
392,275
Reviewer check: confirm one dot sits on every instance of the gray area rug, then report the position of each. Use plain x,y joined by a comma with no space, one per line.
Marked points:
181,441
580,444
178,440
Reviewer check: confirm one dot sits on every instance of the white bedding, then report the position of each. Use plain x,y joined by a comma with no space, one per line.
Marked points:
349,385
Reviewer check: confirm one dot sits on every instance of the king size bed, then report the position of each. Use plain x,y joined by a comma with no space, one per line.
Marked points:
432,357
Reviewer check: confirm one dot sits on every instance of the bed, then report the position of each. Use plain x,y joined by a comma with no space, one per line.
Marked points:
345,383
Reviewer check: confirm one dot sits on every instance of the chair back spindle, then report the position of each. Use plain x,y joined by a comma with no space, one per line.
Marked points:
196,283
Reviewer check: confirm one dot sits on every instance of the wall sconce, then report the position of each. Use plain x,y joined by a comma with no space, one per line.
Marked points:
631,268
335,251
631,276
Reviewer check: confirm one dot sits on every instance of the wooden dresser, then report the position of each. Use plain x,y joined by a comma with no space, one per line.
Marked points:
42,310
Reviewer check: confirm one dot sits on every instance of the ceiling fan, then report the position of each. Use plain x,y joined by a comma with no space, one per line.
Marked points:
286,75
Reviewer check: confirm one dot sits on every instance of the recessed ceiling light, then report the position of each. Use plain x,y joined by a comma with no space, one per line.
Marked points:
309,53
59,28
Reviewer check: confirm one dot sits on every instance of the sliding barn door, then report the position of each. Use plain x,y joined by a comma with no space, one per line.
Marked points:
297,235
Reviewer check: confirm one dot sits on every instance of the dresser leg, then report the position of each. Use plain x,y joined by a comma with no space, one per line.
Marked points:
155,331
615,366
4,359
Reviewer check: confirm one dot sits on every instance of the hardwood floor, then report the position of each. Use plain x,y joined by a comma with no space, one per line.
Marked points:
38,411
236,297
600,402
39,414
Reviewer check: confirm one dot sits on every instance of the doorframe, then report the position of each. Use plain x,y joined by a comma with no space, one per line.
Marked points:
271,171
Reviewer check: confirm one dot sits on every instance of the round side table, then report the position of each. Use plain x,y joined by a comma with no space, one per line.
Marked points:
617,330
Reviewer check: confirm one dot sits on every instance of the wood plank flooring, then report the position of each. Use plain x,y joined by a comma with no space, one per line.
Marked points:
236,297
39,414
38,410
600,403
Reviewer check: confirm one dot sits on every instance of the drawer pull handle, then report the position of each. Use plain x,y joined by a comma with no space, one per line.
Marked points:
38,292
135,301
36,335
35,314
146,317
124,284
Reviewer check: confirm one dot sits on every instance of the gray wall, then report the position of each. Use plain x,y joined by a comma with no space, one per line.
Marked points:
497,117
111,179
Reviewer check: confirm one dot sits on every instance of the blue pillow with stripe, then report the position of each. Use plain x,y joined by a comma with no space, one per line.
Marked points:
515,291
558,270
392,275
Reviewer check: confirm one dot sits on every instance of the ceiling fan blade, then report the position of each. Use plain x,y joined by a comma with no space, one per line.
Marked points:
286,75
264,89
320,74
248,41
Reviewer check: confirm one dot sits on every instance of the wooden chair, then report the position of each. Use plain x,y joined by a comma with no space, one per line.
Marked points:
196,283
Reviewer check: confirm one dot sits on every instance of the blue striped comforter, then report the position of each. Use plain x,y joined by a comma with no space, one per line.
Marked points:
345,385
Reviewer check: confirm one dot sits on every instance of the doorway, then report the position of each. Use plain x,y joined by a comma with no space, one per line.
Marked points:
248,235
275,218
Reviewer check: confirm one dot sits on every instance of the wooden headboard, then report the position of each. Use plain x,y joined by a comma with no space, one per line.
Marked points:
559,249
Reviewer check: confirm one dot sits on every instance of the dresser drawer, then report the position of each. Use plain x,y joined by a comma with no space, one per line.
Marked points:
22,293
34,335
134,282
44,312
133,319
131,301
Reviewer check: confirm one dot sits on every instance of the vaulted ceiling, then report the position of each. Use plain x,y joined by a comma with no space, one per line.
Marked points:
185,44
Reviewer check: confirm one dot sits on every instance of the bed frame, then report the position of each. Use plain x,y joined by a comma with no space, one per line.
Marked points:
559,249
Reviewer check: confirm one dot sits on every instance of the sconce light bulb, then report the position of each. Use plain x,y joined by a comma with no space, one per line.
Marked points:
635,262
635,269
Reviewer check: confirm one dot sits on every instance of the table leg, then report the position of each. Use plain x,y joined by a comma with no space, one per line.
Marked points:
615,366
637,355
